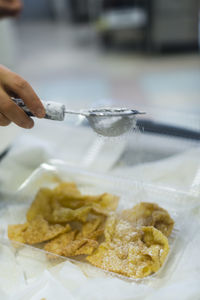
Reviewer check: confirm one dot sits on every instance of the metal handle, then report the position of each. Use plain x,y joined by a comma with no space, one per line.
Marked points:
54,111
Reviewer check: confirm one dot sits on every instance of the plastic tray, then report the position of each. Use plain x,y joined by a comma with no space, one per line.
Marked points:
13,211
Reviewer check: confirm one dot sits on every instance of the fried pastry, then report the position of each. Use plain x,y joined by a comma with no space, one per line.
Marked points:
65,203
130,251
16,232
35,231
57,244
74,243
149,214
132,243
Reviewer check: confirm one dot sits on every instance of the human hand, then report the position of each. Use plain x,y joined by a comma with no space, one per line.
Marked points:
12,84
10,8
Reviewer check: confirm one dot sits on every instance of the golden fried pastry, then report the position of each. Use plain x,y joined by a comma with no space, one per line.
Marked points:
68,189
92,229
16,232
149,214
132,243
57,244
87,248
69,196
74,243
103,204
65,204
80,247
41,206
129,251
35,231
67,245
40,231
156,243
64,214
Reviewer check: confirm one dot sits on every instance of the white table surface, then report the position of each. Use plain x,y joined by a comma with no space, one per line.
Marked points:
8,135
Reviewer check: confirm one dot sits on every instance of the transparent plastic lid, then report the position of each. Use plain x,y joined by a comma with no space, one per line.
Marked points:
13,211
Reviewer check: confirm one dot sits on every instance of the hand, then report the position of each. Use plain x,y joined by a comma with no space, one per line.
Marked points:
10,8
12,84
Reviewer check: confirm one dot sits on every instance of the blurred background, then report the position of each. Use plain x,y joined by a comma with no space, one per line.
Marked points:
142,54
139,52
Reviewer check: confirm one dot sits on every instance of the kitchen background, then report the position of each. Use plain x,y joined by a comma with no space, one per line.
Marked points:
138,53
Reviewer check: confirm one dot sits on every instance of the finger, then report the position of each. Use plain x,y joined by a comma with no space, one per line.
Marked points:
4,121
10,9
13,113
11,5
22,88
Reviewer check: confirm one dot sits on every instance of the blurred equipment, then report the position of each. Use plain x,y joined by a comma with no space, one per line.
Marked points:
80,10
173,24
61,9
153,25
157,24
123,21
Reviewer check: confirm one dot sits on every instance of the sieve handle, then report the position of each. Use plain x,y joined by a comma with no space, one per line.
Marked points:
54,110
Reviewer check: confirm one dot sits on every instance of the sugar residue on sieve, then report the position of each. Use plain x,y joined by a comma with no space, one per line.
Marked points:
112,126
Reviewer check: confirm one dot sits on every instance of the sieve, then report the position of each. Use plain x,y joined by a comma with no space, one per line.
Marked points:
109,122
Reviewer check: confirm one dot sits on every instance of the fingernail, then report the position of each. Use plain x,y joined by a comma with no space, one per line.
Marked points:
29,125
40,113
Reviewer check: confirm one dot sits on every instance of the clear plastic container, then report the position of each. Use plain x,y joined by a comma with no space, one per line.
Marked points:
13,211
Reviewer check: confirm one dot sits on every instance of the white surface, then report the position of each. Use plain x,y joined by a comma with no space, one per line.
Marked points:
180,171
50,139
8,135
66,281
